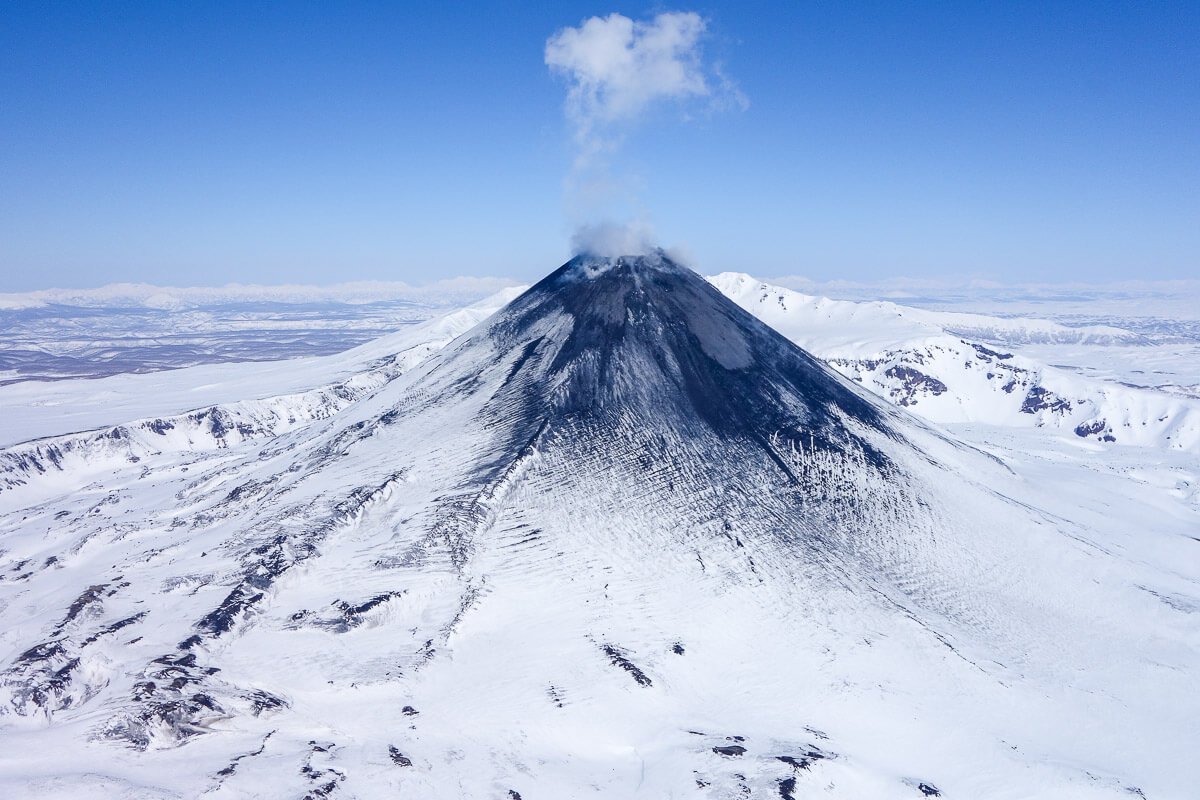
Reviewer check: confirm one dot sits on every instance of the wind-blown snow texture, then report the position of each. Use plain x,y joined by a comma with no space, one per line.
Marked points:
619,539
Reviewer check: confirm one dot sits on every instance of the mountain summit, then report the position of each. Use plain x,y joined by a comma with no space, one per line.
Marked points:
606,351
619,538
645,334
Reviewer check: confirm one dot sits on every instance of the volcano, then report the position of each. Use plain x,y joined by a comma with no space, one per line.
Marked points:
619,539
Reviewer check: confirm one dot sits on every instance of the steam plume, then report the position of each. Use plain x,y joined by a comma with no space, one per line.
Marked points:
616,70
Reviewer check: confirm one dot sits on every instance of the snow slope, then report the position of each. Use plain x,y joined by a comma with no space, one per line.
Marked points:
618,539
920,360
39,409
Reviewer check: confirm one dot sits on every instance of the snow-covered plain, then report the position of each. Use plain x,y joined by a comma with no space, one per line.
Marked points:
616,540
56,334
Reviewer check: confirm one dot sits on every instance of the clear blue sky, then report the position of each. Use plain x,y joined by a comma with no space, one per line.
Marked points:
202,143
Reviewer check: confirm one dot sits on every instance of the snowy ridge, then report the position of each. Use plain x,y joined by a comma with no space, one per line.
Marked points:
954,380
788,307
917,359
86,454
216,427
38,410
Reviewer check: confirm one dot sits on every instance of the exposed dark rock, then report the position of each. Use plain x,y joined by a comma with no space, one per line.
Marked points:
1041,399
90,596
113,628
204,701
43,651
729,750
341,616
619,659
324,779
913,384
362,608
805,759
177,696
244,490
985,354
929,790
233,608
398,758
43,680
1097,428
264,701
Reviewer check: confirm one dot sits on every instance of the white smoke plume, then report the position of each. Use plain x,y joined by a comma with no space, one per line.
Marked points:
611,239
616,70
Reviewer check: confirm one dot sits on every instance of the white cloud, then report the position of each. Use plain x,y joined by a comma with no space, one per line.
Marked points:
617,67
616,70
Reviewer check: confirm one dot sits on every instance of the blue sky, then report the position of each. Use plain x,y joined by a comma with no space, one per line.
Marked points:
204,143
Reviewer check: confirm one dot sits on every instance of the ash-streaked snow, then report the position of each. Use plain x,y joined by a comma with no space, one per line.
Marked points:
617,539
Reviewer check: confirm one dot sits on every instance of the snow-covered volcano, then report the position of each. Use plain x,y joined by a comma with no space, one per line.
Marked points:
619,539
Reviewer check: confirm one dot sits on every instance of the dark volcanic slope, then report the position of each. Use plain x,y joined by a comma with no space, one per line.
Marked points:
648,332
600,341
635,371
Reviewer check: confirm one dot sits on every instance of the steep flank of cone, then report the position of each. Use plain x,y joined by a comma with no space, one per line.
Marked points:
606,339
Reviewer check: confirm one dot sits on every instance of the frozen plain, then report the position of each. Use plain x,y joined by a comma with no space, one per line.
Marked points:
1018,620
